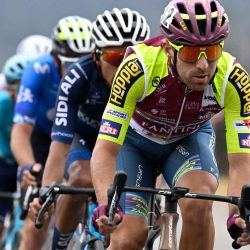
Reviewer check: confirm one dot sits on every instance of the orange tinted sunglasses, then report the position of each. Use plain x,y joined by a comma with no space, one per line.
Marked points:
192,54
113,57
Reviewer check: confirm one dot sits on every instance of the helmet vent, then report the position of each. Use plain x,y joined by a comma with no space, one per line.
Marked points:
214,19
182,9
199,11
224,18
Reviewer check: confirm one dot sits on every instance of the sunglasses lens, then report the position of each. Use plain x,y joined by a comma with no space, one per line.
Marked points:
113,57
192,54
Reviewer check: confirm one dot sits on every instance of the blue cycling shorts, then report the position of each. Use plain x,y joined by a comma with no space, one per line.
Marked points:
142,159
79,151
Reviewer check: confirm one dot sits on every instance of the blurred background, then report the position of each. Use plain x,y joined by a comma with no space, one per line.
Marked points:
20,18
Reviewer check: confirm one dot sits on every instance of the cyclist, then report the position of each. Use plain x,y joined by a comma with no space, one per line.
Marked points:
166,91
12,71
35,46
34,111
81,100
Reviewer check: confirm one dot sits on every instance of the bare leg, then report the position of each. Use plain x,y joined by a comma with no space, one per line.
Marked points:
198,226
72,206
131,234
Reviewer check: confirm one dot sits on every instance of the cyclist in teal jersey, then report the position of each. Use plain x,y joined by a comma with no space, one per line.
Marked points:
158,119
12,70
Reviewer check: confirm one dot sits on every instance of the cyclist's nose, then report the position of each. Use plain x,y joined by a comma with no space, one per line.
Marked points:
202,63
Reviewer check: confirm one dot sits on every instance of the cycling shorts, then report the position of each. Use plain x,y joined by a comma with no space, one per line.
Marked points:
142,159
8,173
79,151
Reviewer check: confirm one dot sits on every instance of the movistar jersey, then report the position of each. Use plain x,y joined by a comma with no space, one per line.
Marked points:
81,100
148,95
6,116
37,94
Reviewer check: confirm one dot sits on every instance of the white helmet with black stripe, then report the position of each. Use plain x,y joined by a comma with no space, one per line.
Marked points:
120,26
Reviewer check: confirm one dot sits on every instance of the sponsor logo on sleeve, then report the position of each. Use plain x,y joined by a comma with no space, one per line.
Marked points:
244,140
127,75
242,125
116,113
240,79
110,128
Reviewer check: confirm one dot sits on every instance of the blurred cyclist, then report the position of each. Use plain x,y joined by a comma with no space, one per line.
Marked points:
12,71
82,97
168,88
34,111
34,46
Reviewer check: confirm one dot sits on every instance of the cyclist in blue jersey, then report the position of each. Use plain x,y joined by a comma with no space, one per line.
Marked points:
34,110
167,89
82,97
12,71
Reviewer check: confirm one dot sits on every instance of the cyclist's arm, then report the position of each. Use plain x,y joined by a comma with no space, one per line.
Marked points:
237,118
25,116
239,174
20,143
103,165
55,163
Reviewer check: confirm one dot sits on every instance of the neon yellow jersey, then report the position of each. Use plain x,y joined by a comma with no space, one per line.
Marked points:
148,96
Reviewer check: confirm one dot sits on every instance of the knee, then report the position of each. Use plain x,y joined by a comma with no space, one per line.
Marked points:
196,211
79,176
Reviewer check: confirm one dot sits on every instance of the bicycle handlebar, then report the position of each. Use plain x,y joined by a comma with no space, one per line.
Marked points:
47,196
177,193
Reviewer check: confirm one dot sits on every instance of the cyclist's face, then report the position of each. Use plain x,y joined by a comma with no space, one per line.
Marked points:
196,75
109,62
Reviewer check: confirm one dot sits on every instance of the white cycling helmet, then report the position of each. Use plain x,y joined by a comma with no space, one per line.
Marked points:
14,67
72,38
34,46
120,26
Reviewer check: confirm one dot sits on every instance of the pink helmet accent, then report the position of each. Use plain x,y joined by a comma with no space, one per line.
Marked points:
195,22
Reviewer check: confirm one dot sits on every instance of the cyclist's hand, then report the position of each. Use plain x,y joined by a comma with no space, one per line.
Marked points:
25,177
237,229
34,209
100,220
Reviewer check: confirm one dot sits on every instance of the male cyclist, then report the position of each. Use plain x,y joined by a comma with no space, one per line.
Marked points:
167,89
12,71
81,100
34,111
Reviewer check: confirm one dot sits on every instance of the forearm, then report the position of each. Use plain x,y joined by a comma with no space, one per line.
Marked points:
103,166
20,144
54,168
239,174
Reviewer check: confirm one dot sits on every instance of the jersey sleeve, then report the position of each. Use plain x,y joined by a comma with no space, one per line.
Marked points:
29,95
237,110
127,88
72,91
